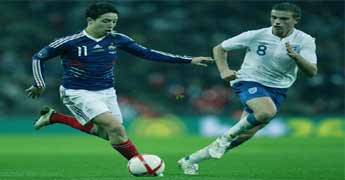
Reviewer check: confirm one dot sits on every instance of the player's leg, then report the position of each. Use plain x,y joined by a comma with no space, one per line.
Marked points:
116,133
203,154
245,136
189,164
89,128
96,113
240,139
261,104
111,122
263,109
259,97
49,116
101,108
76,101
277,95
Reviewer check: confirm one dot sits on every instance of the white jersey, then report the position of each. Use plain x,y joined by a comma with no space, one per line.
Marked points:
266,60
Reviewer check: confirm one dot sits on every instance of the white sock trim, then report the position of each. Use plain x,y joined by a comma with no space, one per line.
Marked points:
240,127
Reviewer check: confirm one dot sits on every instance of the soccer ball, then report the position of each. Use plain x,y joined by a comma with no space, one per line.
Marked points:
146,165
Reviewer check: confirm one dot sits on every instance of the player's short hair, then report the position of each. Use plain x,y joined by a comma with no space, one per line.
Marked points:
97,9
286,6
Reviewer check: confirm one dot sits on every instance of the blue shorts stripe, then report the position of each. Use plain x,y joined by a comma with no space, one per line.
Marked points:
79,112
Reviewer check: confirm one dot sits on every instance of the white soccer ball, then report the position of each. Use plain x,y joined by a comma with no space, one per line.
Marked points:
146,165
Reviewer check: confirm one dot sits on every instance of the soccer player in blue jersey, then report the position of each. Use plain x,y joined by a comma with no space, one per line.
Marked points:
273,57
88,59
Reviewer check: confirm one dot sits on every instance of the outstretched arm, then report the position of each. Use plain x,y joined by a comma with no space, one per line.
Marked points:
202,61
132,47
220,56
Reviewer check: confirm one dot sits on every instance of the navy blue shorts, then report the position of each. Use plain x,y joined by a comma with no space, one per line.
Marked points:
248,90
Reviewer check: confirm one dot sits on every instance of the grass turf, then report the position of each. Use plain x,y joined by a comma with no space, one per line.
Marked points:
74,157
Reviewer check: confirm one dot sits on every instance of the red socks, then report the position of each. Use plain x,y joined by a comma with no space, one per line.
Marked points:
127,149
70,121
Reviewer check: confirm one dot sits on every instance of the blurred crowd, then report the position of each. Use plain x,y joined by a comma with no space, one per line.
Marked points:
175,26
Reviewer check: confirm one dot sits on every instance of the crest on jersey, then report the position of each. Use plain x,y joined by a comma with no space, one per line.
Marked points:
296,47
253,90
112,49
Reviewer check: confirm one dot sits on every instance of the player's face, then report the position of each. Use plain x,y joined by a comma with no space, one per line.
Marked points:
282,22
105,23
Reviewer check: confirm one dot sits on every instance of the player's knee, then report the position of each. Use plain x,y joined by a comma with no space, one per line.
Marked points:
115,129
98,131
266,115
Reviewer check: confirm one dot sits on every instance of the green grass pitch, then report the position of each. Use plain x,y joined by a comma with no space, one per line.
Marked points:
82,157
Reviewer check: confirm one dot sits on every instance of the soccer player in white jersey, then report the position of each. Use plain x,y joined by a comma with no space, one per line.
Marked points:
87,89
273,57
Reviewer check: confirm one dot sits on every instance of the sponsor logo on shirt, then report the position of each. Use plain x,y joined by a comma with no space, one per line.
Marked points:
97,46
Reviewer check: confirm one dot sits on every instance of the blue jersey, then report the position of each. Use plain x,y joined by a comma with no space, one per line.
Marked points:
88,63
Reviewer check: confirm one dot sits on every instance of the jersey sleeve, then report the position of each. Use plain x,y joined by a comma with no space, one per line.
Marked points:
129,45
238,42
308,50
52,50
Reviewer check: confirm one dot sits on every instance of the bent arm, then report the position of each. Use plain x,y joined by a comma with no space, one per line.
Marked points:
220,53
220,56
306,59
37,71
305,66
38,60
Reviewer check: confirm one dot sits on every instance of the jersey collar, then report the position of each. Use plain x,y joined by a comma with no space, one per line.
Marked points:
290,35
90,37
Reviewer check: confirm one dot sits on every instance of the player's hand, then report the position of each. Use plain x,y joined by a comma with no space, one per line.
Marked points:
228,75
292,53
34,92
202,61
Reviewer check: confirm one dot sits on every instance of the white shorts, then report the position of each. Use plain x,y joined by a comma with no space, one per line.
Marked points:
85,105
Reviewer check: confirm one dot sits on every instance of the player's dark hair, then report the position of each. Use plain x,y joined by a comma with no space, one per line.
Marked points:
97,9
285,6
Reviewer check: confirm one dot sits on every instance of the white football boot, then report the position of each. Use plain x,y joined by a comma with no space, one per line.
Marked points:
187,167
44,119
217,149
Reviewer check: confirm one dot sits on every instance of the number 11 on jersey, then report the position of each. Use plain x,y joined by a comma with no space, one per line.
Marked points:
82,51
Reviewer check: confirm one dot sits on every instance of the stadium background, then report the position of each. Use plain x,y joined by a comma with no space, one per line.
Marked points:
168,109
191,99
